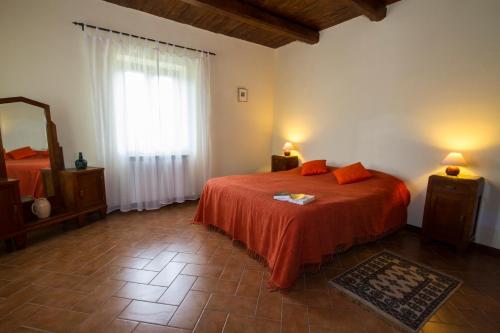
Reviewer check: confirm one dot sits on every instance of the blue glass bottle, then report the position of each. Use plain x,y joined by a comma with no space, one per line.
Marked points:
81,163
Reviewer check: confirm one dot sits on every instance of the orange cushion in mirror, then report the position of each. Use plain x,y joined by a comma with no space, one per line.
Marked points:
351,173
316,167
20,153
42,153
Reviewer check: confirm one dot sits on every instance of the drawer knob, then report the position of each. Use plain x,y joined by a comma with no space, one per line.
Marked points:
450,187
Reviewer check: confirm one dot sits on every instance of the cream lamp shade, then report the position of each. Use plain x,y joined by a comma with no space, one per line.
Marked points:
453,160
287,147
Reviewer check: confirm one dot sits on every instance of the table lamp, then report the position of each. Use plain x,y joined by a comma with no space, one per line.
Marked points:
287,148
453,161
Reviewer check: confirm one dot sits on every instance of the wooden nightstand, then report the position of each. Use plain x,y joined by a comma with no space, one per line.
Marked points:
283,163
451,209
84,191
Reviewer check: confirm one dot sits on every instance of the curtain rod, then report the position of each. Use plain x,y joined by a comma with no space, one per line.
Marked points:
83,25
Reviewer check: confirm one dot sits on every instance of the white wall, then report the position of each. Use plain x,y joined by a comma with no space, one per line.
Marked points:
399,95
396,95
42,58
23,125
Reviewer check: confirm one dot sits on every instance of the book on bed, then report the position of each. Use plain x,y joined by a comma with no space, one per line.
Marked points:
295,198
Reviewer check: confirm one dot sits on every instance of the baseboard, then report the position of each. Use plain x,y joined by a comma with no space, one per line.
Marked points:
413,228
492,251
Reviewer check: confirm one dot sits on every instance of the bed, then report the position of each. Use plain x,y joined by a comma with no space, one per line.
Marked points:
29,172
291,237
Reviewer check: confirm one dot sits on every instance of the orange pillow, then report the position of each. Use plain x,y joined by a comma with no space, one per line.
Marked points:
351,173
20,153
316,167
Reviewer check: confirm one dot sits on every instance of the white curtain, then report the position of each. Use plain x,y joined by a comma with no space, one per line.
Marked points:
151,105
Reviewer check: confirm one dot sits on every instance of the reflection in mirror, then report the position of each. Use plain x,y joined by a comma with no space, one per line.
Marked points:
24,138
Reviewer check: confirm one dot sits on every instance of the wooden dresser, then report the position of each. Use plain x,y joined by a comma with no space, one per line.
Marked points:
451,209
11,221
84,191
283,163
73,194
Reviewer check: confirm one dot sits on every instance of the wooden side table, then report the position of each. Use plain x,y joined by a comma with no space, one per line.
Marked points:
451,209
283,163
84,191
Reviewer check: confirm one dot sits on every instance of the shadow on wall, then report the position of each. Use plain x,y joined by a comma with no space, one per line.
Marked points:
489,215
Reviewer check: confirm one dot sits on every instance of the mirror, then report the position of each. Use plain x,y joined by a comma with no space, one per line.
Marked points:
23,128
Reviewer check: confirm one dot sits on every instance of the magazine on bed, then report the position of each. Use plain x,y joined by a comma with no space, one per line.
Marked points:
295,198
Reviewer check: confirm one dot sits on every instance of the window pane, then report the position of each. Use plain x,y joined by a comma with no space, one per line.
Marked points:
153,111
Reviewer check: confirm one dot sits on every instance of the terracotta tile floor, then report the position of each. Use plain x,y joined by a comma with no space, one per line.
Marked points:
155,272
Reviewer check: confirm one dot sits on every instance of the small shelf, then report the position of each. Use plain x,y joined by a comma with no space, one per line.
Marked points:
35,224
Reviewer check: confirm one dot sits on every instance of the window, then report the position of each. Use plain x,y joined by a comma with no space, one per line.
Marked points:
152,109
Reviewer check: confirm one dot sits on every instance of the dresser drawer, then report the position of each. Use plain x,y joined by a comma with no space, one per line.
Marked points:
89,189
10,208
83,189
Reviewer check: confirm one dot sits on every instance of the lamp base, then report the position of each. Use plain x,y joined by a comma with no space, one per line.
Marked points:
287,153
452,171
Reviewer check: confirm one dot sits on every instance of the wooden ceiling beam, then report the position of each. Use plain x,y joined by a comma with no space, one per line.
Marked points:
258,18
375,10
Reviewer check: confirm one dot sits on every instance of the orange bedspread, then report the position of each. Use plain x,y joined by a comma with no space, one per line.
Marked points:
290,236
28,172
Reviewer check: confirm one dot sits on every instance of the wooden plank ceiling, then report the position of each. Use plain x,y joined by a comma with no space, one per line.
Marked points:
271,23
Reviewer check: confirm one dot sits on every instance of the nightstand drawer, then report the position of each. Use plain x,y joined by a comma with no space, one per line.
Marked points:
451,209
451,186
284,163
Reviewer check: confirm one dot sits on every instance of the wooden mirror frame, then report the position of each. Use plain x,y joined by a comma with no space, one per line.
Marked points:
55,150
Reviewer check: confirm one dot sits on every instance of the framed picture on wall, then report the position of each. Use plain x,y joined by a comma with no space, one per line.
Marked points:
242,95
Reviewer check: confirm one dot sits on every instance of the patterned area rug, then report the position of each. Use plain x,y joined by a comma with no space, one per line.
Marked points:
405,292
